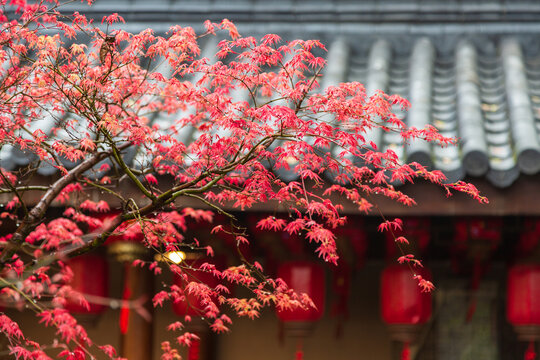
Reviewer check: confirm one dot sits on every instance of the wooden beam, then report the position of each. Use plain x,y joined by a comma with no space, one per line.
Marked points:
522,198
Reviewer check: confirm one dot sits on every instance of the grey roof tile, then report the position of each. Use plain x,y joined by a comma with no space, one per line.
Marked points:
471,124
420,91
377,79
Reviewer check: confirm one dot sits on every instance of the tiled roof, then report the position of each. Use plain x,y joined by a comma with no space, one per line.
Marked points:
490,99
483,87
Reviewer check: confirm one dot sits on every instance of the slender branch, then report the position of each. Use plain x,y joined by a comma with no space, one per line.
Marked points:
127,170
213,206
24,189
104,188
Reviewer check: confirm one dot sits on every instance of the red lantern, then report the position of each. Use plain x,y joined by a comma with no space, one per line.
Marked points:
404,307
303,277
523,303
90,278
403,302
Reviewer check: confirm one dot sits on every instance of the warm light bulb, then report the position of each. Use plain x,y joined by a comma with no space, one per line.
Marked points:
176,256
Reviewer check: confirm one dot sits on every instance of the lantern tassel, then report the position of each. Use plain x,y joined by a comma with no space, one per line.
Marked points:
194,349
530,354
299,350
405,352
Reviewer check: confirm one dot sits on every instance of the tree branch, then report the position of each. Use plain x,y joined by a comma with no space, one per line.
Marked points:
38,211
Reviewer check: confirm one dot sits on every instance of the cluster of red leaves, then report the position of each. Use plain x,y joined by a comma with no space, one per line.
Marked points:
217,129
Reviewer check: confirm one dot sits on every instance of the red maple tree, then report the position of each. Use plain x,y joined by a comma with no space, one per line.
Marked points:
209,130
